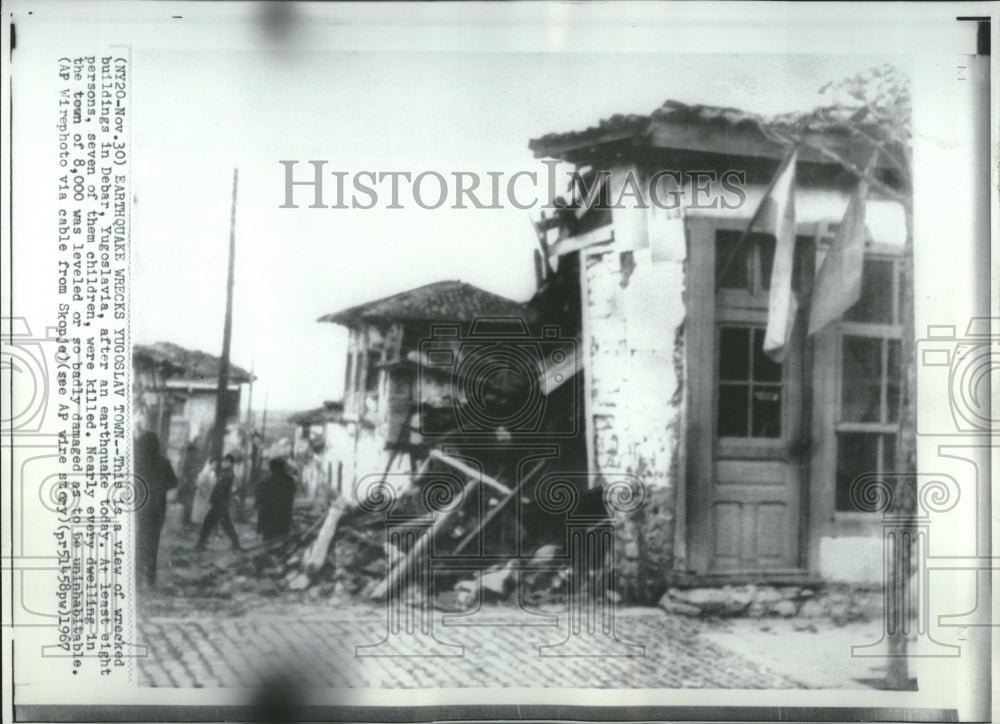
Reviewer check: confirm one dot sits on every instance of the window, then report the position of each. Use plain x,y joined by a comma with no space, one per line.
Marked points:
869,379
750,385
371,373
356,385
349,374
747,266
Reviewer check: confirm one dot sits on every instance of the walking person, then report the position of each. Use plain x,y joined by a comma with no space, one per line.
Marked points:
274,503
154,472
189,480
218,513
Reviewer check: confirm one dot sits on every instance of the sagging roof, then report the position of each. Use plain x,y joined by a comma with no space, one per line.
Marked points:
175,361
331,411
445,301
705,128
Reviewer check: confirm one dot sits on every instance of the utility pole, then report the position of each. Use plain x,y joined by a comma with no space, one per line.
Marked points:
251,422
219,431
263,422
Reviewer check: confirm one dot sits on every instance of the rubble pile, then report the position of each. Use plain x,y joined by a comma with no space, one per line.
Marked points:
347,550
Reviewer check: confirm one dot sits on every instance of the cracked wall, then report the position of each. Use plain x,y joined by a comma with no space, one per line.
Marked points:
635,322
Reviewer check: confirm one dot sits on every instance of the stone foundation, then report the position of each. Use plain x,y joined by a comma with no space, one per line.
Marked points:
840,604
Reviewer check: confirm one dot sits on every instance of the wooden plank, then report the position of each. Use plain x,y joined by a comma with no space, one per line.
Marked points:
700,364
316,554
499,507
476,475
397,571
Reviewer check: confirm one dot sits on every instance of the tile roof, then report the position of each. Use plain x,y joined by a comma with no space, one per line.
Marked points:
176,361
330,412
729,122
445,301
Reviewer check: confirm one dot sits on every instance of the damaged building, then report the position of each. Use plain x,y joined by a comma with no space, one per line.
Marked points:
747,463
174,393
397,402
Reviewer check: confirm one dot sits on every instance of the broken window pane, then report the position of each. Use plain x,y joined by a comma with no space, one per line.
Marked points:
861,379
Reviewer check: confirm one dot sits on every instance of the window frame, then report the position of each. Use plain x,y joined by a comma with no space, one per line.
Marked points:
871,330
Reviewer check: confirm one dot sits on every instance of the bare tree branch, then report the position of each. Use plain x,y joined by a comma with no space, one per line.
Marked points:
888,191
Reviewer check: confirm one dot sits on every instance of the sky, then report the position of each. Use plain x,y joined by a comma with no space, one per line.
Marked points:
201,113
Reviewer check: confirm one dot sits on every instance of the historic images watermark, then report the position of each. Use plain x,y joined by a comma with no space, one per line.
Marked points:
321,188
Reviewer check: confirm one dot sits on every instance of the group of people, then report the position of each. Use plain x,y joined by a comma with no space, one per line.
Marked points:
206,494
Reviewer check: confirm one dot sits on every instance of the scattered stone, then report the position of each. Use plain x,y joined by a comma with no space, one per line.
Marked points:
670,605
768,595
715,601
812,608
785,609
805,626
497,580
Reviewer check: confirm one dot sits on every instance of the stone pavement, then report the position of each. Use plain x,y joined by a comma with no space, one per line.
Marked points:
317,647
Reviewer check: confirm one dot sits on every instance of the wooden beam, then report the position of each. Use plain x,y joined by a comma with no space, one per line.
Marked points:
499,507
476,475
397,571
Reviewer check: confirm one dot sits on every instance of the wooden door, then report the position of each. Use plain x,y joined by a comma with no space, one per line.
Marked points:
747,457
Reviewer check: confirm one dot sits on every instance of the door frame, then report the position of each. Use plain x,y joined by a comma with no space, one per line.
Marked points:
700,346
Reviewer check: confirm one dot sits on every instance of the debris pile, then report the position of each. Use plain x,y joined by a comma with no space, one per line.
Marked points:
507,545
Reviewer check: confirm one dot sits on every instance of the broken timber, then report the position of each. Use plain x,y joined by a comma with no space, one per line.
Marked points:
470,471
498,508
474,477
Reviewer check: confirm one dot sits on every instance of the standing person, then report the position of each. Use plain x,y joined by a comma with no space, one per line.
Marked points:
153,471
274,506
203,487
218,514
189,480
256,451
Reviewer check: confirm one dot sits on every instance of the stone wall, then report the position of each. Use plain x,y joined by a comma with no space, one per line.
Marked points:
634,327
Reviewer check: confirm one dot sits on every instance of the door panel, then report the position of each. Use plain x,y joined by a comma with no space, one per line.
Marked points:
756,480
746,423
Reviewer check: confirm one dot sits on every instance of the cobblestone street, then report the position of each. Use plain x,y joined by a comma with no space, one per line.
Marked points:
208,625
223,651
